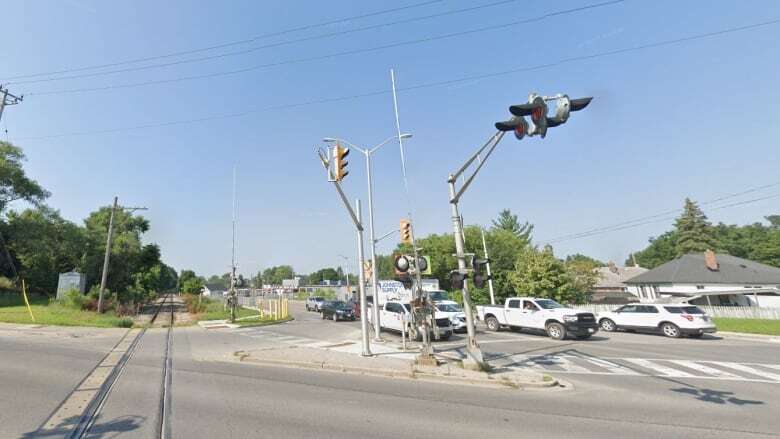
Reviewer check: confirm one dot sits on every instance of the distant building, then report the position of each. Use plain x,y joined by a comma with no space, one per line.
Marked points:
611,287
291,284
213,290
711,279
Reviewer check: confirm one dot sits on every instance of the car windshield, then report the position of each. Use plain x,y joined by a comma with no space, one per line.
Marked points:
548,304
684,309
438,296
448,307
340,305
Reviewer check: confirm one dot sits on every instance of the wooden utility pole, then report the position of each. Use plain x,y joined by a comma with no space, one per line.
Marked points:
104,278
7,98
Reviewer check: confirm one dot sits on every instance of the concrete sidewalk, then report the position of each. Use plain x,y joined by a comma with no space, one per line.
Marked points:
392,365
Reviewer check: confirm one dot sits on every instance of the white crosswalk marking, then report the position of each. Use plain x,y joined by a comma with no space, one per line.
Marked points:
554,360
610,366
705,369
771,366
751,370
663,370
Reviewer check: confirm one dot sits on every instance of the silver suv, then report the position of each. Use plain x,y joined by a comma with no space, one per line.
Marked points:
314,303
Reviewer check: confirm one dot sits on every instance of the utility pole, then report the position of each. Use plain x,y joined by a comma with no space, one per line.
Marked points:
489,273
107,257
104,278
6,98
362,285
232,295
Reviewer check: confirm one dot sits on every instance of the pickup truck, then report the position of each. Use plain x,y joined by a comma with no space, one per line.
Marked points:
540,314
395,315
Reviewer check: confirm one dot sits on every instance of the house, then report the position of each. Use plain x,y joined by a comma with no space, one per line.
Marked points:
711,279
611,287
213,290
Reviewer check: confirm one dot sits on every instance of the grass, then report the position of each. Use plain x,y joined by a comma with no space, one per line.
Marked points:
13,310
216,311
750,326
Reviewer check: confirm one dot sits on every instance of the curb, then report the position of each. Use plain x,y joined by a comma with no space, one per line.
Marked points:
412,374
747,335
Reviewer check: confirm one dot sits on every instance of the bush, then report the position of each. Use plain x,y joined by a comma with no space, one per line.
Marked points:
74,299
195,303
125,323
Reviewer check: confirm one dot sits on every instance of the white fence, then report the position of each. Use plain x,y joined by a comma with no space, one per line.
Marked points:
738,312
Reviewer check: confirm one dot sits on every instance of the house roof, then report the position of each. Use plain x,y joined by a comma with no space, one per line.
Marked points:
215,287
691,269
615,277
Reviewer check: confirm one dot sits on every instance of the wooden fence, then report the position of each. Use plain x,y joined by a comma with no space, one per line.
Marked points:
738,312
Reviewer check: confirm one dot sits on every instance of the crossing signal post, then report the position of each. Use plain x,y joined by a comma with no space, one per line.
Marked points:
540,121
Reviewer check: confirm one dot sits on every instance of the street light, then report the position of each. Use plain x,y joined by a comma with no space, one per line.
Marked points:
346,272
374,281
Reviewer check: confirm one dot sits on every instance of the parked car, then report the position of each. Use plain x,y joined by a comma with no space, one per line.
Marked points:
337,310
453,311
394,316
671,320
313,303
539,314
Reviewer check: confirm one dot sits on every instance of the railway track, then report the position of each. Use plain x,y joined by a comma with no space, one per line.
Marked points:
87,400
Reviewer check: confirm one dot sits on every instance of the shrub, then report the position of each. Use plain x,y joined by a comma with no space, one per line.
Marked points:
195,303
125,323
74,299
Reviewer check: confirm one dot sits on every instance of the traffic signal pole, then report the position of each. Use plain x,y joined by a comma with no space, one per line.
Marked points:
475,359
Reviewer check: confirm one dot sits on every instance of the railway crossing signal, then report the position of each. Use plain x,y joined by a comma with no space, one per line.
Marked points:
536,109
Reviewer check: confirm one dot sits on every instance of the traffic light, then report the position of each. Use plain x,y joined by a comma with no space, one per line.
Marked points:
339,163
424,265
457,280
480,277
537,110
402,264
406,231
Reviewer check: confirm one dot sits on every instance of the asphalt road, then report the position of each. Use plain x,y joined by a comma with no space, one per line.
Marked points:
213,398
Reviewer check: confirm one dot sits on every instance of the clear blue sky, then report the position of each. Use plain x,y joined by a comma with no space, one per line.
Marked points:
695,119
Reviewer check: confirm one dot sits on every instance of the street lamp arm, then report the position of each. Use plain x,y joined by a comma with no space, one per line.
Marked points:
402,136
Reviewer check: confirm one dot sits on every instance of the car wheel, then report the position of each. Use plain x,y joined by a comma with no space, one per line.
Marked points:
415,334
608,325
307,308
322,315
335,317
670,330
492,323
556,331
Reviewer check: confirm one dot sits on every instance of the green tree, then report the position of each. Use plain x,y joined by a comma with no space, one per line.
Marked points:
582,270
662,249
14,183
539,273
42,245
694,232
275,275
508,221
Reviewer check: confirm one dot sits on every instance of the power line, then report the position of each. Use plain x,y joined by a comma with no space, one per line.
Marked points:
313,58
272,45
658,215
231,43
421,86
601,231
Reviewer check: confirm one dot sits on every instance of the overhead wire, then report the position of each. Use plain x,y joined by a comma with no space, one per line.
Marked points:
231,43
424,85
270,45
326,56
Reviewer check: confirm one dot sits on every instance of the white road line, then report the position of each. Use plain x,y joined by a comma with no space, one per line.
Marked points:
610,366
663,370
771,366
553,360
748,369
705,369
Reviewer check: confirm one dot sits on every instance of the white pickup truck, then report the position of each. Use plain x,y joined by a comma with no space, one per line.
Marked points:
395,316
541,314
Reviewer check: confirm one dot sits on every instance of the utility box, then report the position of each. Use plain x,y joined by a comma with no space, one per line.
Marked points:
71,281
